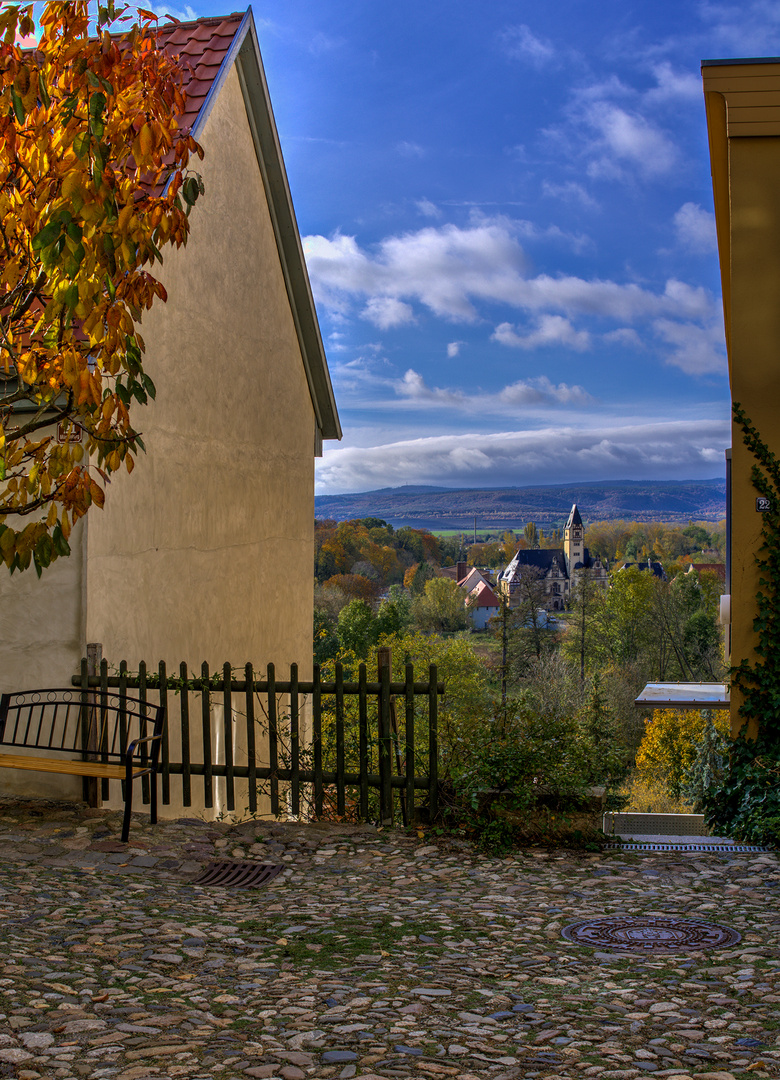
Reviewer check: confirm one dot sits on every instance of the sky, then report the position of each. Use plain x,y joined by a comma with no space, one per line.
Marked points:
506,211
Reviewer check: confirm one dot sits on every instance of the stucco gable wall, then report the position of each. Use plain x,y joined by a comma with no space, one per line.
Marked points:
206,552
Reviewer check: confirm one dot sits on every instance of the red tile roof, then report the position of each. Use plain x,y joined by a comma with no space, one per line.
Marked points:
200,48
484,596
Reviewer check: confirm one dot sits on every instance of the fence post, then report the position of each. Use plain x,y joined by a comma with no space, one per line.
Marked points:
273,739
340,788
227,733
384,664
251,752
409,749
363,741
92,796
295,748
184,718
205,715
316,735
433,742
165,755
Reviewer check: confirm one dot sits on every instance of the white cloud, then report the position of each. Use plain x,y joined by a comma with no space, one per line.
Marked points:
747,29
673,86
163,11
675,450
453,349
322,43
443,267
695,228
624,335
549,330
414,388
538,392
521,43
625,137
410,149
569,192
449,269
698,350
336,342
386,312
428,209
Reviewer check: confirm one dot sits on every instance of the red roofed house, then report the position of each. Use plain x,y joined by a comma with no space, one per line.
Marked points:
483,605
472,579
206,552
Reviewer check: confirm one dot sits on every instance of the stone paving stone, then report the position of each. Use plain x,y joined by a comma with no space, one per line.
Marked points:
372,956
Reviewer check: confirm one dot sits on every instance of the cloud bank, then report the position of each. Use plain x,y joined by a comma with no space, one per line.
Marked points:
459,273
643,451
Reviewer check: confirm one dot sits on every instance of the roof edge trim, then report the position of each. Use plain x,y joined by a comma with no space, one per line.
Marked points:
227,63
249,66
741,60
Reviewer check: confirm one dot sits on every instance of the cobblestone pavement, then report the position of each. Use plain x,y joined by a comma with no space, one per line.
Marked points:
373,955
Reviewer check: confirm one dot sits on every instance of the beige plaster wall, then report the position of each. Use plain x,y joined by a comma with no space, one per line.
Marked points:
206,551
42,640
754,172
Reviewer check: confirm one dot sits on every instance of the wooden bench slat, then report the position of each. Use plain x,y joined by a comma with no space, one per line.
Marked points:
72,767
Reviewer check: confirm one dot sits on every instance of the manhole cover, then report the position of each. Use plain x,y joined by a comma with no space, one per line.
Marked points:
235,874
650,933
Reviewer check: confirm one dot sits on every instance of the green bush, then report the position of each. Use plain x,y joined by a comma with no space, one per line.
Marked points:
531,772
744,803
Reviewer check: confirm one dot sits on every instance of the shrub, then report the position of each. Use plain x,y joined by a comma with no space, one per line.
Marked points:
744,803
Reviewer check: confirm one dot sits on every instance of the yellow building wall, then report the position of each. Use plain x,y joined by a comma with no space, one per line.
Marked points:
743,106
206,551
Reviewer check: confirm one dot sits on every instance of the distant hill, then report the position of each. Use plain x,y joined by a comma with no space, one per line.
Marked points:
506,508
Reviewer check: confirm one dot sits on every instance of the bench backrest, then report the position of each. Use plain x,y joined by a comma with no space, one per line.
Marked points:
98,725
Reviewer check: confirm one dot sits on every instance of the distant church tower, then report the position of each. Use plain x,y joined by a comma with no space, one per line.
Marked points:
574,541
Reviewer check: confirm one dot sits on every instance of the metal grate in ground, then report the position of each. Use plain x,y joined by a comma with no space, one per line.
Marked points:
644,845
237,874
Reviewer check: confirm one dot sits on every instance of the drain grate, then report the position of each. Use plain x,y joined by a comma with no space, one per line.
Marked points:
650,933
237,874
642,845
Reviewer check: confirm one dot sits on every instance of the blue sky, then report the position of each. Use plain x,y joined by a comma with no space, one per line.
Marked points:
507,217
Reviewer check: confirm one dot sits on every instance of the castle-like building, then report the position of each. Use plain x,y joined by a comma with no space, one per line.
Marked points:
556,567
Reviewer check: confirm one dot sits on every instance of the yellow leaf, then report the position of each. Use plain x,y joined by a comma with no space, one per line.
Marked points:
71,184
125,215
146,140
98,496
129,463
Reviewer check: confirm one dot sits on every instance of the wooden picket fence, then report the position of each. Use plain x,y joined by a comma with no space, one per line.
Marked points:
380,735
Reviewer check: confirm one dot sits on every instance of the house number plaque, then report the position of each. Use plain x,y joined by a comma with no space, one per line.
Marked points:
763,506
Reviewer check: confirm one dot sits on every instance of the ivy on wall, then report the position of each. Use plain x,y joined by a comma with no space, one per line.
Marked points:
744,801
759,680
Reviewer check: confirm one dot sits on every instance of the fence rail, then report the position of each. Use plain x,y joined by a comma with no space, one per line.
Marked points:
318,738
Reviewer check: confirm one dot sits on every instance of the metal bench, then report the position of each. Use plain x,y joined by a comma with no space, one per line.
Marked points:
95,734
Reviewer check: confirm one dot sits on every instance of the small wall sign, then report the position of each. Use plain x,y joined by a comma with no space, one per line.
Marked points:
68,433
763,506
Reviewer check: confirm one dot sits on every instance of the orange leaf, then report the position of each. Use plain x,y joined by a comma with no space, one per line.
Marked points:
146,140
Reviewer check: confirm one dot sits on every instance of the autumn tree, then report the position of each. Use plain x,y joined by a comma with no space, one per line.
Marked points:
442,606
670,746
94,184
